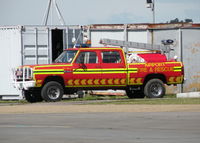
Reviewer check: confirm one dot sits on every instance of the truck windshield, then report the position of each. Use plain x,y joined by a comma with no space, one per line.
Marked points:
66,57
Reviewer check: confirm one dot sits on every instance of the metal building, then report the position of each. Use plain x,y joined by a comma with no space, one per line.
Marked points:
22,45
186,44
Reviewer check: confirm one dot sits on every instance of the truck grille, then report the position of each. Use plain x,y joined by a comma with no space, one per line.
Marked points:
22,74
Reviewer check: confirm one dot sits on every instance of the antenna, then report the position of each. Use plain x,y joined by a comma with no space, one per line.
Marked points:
52,3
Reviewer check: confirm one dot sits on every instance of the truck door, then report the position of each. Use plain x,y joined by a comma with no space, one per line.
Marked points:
87,70
113,68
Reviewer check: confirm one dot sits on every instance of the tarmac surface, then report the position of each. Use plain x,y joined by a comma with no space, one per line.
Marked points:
88,126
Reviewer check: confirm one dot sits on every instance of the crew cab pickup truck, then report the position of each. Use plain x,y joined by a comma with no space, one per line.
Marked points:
98,69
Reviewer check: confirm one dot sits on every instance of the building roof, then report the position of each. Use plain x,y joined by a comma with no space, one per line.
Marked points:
142,26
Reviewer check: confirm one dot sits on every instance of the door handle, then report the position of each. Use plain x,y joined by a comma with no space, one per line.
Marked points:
98,66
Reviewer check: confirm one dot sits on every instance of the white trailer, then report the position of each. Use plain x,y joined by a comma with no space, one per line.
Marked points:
22,45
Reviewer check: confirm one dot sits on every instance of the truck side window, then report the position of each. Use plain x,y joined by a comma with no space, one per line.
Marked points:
111,57
87,58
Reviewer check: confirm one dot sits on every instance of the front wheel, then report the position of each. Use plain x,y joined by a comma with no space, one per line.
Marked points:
52,91
32,96
154,88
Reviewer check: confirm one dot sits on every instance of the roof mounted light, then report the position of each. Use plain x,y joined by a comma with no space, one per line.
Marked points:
167,42
82,45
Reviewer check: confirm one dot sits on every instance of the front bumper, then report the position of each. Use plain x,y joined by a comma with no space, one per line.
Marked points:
23,78
24,84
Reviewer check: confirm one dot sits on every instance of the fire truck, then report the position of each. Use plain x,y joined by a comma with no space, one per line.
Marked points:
100,68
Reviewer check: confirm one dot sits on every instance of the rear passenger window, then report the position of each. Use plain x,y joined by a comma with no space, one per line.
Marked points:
87,58
111,57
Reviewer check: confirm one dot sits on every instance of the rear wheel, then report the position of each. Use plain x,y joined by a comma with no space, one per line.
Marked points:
52,91
32,96
154,88
135,93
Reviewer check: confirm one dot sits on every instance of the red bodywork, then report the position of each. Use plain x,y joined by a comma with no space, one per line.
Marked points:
108,75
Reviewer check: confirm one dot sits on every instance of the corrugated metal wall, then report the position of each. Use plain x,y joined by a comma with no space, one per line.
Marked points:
70,33
97,35
191,58
158,35
36,45
138,36
163,34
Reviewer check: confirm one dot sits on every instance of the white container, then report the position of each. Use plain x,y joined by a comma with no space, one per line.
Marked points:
29,45
10,45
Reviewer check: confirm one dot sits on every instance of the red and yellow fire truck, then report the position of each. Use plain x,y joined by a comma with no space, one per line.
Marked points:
143,74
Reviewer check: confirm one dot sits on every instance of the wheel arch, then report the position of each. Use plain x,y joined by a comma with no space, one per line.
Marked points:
58,79
155,76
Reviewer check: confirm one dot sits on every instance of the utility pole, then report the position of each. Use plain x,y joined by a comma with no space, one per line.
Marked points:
151,4
52,3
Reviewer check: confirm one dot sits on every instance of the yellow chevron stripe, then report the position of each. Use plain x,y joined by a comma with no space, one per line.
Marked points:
139,80
110,81
96,81
83,82
70,82
123,81
132,80
76,82
103,81
135,81
90,81
116,81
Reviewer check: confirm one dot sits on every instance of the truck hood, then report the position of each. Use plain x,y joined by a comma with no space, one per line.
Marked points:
49,66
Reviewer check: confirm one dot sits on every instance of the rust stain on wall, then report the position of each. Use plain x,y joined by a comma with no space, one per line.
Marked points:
171,90
194,50
196,76
194,86
196,45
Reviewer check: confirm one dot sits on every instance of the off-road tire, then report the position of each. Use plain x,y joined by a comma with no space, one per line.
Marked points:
32,96
52,91
154,88
135,93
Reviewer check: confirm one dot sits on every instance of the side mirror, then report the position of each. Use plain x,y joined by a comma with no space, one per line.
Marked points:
167,42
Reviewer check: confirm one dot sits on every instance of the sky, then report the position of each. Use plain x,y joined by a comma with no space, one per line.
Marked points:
83,12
